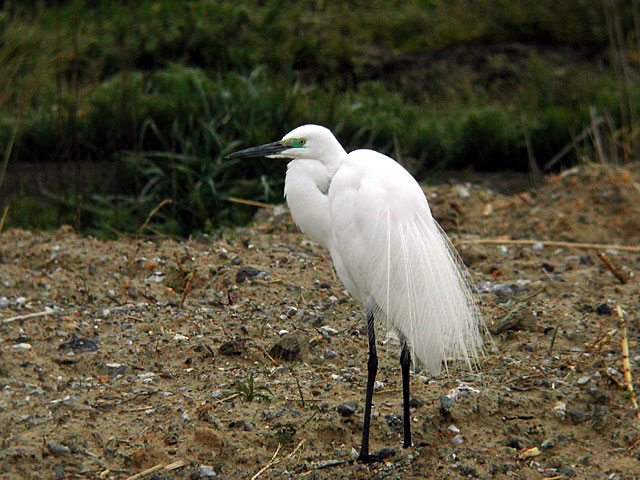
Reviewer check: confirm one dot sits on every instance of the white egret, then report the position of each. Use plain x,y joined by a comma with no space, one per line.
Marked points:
387,249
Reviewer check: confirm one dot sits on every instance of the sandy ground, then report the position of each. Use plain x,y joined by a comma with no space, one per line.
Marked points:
126,372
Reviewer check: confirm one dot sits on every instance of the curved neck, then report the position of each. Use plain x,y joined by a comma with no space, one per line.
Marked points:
305,188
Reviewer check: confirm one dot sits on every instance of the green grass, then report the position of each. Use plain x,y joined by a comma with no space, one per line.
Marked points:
163,90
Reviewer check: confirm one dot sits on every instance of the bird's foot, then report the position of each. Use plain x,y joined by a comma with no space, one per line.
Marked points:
379,456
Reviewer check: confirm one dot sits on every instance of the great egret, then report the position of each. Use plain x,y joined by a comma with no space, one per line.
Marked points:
389,252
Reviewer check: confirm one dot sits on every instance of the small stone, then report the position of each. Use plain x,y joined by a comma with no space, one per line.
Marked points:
415,403
453,429
241,425
79,344
446,404
567,470
327,331
378,385
247,273
233,347
22,346
577,415
547,267
584,380
457,440
394,419
58,450
347,409
114,369
205,471
603,309
560,409
287,348
180,338
547,444
462,191
330,354
515,443
385,453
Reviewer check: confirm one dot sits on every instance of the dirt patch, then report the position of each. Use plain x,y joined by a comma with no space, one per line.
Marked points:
126,371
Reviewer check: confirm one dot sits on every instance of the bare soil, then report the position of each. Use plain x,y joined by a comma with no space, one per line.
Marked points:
137,361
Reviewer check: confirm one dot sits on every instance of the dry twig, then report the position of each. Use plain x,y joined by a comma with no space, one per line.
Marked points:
187,288
47,311
207,406
274,462
619,274
153,212
168,467
250,202
551,243
4,217
269,463
626,366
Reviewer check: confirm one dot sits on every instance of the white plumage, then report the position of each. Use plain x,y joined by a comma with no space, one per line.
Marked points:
388,250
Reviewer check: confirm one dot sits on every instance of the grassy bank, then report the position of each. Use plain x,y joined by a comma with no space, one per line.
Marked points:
160,91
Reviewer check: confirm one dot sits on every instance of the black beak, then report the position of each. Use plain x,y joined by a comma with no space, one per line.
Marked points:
261,151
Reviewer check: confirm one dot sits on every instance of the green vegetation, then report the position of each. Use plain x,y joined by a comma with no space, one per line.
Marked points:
155,93
249,391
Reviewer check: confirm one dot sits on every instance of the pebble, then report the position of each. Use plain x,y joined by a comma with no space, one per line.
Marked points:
287,348
22,346
330,354
58,450
79,344
446,404
462,191
249,273
394,419
577,415
242,424
453,429
205,471
327,331
233,347
457,440
560,409
584,380
385,453
347,409
547,444
515,442
603,309
114,369
567,470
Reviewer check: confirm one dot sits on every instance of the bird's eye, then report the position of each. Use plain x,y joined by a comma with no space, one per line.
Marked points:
302,142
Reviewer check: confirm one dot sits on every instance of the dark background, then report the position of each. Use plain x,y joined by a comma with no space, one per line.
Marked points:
109,108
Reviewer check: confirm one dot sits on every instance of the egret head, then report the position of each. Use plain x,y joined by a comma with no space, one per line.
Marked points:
311,142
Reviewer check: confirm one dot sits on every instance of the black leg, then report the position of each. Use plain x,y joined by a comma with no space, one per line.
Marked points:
405,360
372,369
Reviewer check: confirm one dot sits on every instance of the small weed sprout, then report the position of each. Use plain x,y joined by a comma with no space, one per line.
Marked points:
250,391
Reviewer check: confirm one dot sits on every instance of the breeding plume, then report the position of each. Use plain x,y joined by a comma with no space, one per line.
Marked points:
389,252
